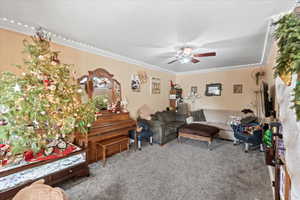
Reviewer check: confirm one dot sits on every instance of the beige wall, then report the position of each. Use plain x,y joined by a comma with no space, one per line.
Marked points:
10,53
228,100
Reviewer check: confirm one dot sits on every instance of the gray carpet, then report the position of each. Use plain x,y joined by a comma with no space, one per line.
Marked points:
177,172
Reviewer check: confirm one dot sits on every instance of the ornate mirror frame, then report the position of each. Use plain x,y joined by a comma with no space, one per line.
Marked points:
87,80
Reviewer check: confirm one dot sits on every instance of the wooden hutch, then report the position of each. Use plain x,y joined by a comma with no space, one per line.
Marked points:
175,96
109,127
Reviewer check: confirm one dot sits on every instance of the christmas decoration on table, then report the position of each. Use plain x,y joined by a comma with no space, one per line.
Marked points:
55,149
42,104
115,107
101,102
124,104
287,35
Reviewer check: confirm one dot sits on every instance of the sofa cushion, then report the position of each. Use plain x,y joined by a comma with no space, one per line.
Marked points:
167,116
176,124
198,115
172,127
180,117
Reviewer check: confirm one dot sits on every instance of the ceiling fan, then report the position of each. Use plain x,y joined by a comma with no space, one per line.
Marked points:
186,55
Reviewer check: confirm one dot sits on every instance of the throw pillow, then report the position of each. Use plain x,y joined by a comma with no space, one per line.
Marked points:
189,120
198,115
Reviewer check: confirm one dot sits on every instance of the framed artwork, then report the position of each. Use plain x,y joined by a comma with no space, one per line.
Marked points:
194,90
237,89
142,76
155,85
135,83
213,89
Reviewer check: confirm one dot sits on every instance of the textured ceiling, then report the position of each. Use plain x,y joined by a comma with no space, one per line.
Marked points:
151,31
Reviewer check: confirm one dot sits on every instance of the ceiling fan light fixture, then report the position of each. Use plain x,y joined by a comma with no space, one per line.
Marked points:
187,51
185,60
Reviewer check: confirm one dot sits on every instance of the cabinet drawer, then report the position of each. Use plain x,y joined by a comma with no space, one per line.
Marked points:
67,173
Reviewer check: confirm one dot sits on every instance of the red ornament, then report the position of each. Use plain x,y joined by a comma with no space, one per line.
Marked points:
46,83
28,155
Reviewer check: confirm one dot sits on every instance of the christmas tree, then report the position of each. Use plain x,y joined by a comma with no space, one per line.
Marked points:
42,104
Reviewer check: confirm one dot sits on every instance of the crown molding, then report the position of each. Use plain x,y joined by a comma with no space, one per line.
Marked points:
217,69
27,29
266,41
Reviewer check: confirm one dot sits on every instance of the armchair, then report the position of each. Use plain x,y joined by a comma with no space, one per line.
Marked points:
255,138
165,125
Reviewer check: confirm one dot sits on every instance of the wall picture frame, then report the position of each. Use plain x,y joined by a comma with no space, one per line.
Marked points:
214,89
237,89
194,90
155,85
135,83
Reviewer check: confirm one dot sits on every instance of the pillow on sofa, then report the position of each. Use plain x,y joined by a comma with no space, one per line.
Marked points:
189,120
198,115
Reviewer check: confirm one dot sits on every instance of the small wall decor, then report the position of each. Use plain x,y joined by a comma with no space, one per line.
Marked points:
135,83
213,89
194,90
142,76
155,85
237,89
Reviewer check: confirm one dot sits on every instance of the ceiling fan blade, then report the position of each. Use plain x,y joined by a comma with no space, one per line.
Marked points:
172,61
195,60
205,54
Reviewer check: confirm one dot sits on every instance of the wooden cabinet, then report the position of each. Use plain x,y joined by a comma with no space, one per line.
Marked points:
175,95
106,127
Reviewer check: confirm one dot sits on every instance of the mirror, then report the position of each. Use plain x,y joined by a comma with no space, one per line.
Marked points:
100,83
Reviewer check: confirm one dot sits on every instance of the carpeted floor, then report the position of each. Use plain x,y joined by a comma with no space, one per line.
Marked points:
177,172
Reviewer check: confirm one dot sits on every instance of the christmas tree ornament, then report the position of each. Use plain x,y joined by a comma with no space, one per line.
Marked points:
3,109
17,88
52,87
48,151
28,155
62,145
41,57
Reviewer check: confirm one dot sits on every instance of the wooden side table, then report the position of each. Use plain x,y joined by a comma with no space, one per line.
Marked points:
106,144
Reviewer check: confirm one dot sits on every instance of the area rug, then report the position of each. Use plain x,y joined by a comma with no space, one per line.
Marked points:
177,172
